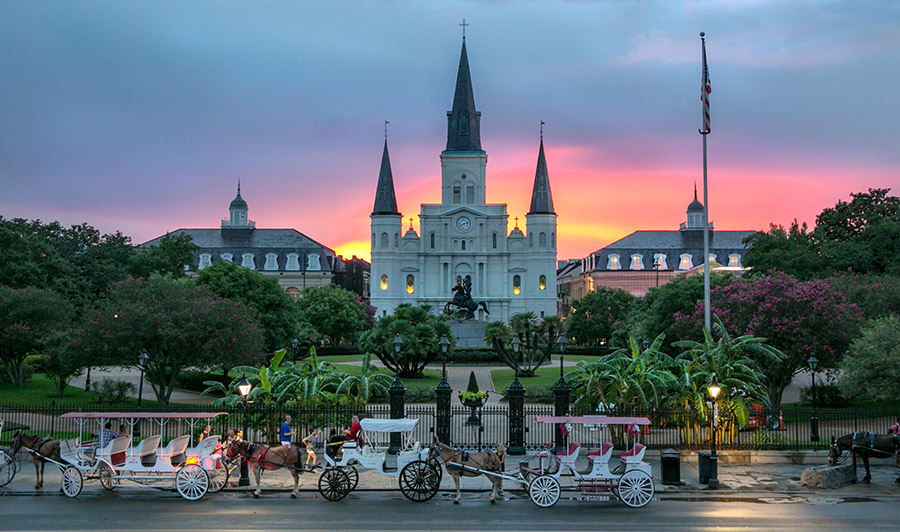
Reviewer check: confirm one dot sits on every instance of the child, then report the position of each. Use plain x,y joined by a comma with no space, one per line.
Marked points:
311,443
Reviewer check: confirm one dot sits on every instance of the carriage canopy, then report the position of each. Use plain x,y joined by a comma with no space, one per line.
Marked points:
388,425
598,420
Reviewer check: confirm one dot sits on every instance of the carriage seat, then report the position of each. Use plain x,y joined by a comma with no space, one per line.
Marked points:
412,451
603,452
116,451
146,451
369,451
69,451
570,454
206,447
174,451
636,454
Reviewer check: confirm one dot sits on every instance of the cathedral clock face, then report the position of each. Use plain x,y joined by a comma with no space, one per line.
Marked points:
463,223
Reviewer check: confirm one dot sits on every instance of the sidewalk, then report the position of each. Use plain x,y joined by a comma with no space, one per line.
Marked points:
781,480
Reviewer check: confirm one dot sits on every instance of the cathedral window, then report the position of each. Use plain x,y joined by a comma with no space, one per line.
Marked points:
271,261
659,261
293,260
432,240
410,284
384,240
373,240
248,261
227,257
542,282
531,240
686,262
293,291
205,260
612,262
457,194
637,262
463,245
463,123
494,240
517,285
396,240
384,282
734,260
542,240
470,194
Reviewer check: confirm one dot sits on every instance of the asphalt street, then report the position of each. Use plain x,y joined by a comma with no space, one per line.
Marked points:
152,510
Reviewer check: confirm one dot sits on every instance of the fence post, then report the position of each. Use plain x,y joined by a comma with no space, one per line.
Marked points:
442,413
516,394
398,410
561,408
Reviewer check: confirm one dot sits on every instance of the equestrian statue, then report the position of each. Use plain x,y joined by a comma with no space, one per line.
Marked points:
462,300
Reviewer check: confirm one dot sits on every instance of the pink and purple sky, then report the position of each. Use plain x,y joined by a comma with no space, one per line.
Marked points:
142,116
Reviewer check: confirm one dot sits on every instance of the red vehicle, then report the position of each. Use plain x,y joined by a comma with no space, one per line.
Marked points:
759,419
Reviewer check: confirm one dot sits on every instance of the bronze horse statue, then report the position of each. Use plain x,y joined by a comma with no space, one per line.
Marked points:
462,300
260,456
468,465
41,447
865,445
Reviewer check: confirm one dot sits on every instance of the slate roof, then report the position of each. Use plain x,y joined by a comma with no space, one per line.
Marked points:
541,198
385,199
671,243
463,103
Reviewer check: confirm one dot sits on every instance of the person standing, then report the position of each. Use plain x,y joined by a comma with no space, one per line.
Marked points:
311,442
285,433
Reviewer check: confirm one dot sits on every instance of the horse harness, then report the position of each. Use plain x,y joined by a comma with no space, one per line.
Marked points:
492,457
869,437
256,452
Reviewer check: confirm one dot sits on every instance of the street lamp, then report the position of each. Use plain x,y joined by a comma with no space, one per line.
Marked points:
516,346
445,345
294,343
814,420
561,342
646,344
142,361
714,390
244,388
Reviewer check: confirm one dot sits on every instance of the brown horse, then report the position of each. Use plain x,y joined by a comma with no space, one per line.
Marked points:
468,464
865,444
42,447
260,456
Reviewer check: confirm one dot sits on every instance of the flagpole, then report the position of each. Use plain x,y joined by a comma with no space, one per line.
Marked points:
704,91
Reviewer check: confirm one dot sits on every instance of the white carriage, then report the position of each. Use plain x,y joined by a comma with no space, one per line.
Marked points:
418,479
9,465
191,470
631,480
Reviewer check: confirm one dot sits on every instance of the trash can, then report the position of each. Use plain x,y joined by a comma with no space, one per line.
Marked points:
671,467
708,464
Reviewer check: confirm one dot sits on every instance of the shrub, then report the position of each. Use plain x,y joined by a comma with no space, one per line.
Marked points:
112,391
827,396
766,437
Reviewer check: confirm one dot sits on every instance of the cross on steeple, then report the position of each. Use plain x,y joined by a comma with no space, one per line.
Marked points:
542,129
517,222
464,28
385,130
410,223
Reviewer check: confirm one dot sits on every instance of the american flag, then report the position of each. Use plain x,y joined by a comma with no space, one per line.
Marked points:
705,89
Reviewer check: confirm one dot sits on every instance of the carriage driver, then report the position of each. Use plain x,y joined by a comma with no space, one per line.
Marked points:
349,435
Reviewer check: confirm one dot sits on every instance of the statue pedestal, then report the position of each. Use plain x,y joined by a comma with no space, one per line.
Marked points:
468,333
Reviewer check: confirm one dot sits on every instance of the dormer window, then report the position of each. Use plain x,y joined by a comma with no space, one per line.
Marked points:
227,257
659,261
205,261
293,262
248,261
734,260
637,262
463,123
712,258
312,262
271,261
686,262
612,263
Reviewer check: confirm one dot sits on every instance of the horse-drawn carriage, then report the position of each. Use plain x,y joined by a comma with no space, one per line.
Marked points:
191,470
9,465
419,480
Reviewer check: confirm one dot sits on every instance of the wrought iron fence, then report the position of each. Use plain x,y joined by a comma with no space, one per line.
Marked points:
787,429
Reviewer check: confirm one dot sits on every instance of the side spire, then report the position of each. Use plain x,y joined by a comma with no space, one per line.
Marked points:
463,121
541,198
385,199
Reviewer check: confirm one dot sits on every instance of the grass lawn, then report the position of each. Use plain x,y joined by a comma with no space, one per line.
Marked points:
40,391
545,376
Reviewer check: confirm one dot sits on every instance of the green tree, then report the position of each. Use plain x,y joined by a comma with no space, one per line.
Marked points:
420,331
655,313
275,310
792,251
333,312
181,325
361,388
876,295
601,314
29,317
168,258
871,369
862,235
536,339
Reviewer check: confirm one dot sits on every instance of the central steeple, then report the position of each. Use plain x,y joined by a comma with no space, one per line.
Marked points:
463,121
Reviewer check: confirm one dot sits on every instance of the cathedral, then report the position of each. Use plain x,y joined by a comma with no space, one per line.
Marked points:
465,241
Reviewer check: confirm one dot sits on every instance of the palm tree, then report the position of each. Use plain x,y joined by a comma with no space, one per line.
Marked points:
362,387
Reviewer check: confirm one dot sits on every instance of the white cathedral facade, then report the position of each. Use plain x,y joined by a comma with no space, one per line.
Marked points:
463,236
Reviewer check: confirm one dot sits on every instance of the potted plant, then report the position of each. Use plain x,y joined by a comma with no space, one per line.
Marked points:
473,398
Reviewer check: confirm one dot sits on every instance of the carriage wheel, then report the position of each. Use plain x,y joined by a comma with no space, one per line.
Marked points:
218,477
353,476
418,481
192,482
544,491
334,484
635,488
7,469
107,476
437,465
72,481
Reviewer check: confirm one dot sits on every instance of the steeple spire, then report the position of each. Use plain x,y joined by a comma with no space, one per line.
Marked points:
463,121
385,199
541,198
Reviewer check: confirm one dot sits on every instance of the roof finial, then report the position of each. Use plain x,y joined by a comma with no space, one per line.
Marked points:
385,130
410,223
542,130
464,28
517,222
239,186
695,190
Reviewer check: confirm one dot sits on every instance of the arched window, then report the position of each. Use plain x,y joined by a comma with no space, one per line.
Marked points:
734,260
659,261
457,194
410,284
542,282
637,262
384,282
463,123
517,285
373,240
396,240
531,240
293,260
542,240
470,194
552,240
432,240
293,291
612,262
686,262
205,260
247,261
494,240
463,245
384,240
271,261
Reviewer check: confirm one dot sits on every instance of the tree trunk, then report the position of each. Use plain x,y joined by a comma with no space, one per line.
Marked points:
774,390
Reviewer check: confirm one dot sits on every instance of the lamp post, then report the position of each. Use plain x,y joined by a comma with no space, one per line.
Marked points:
645,344
445,345
442,394
814,420
294,343
396,394
561,396
561,343
142,361
244,387
714,390
516,345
